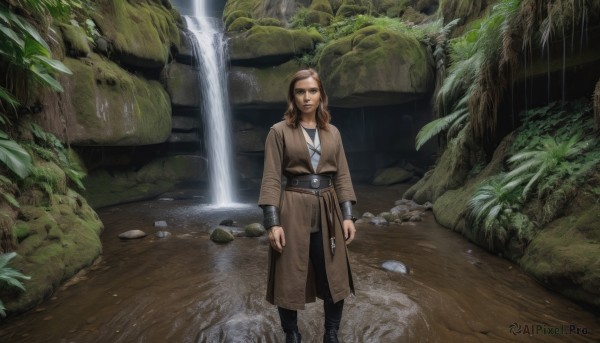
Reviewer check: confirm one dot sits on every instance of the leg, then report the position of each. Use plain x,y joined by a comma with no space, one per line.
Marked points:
289,322
333,311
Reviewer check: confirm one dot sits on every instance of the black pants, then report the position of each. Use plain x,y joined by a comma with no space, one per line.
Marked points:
333,311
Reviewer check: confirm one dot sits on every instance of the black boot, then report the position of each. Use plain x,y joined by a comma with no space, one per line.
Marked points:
293,337
330,336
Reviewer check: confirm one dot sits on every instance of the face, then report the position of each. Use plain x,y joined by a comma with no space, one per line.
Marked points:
307,96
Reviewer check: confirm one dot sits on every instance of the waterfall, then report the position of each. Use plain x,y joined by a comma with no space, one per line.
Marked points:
210,50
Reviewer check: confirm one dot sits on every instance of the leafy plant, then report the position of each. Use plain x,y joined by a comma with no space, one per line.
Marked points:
51,149
14,156
552,157
494,198
9,276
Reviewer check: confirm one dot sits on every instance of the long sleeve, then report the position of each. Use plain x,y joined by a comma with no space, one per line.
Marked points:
270,190
343,181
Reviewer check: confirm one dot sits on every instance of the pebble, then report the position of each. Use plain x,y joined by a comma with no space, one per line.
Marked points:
162,234
395,266
132,234
160,223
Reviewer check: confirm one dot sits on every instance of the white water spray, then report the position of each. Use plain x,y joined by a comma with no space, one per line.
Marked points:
211,52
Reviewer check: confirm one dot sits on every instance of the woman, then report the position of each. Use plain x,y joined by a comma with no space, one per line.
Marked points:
309,219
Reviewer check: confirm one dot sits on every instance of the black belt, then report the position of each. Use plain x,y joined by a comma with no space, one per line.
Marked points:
311,181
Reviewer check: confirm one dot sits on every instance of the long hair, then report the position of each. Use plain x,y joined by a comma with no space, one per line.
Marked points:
292,114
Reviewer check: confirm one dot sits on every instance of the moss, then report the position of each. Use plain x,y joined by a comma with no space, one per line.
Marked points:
143,29
247,7
351,10
114,107
262,41
241,24
373,59
235,15
270,22
567,259
76,40
317,18
321,6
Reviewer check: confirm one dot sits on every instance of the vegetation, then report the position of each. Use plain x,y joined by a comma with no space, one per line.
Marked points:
9,276
484,60
554,152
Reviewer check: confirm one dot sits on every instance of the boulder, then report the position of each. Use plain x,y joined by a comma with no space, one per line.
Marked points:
142,33
183,84
254,230
261,86
271,43
107,105
390,176
220,235
375,66
132,234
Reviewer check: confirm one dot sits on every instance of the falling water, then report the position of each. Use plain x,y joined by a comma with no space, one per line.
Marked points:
210,49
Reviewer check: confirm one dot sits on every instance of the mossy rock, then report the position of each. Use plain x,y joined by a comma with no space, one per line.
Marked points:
565,256
261,86
110,106
182,84
347,11
270,41
56,239
241,24
142,32
241,8
317,18
393,175
231,17
321,6
76,40
376,66
221,236
153,179
254,230
270,22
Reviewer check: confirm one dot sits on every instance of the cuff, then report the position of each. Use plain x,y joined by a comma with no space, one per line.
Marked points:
346,208
271,216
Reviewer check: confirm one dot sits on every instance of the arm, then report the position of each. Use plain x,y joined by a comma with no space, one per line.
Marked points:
270,190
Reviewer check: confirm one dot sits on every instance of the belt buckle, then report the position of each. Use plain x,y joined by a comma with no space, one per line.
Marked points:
315,183
295,182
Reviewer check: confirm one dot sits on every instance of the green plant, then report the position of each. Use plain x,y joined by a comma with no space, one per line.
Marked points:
50,148
554,156
494,198
14,156
10,276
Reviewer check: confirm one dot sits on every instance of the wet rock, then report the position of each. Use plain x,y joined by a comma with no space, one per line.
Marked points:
379,221
254,230
132,234
368,215
387,216
227,222
160,223
220,235
361,221
415,218
395,266
162,234
399,210
408,215
427,206
402,202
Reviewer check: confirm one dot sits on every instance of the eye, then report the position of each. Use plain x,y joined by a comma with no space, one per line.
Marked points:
314,91
299,91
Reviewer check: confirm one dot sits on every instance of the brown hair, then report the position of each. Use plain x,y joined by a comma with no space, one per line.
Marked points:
292,114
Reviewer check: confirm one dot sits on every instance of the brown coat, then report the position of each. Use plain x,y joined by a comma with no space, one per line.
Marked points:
291,281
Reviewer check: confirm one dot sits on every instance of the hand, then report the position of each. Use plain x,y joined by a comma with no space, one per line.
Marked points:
277,238
349,230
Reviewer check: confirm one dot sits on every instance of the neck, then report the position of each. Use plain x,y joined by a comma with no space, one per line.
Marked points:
308,120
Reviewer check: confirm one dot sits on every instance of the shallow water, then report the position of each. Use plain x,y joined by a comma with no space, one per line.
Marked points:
185,288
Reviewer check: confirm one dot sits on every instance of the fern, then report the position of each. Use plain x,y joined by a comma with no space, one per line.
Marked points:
10,276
